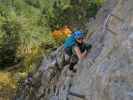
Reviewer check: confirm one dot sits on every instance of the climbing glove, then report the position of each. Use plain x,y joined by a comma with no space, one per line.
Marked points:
88,47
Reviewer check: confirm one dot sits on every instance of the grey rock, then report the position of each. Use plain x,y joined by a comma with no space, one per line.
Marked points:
107,73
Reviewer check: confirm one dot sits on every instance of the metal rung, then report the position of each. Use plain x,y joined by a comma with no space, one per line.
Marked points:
107,21
114,33
77,95
117,17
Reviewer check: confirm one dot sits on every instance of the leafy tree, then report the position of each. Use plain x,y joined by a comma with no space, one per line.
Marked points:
29,33
76,11
10,42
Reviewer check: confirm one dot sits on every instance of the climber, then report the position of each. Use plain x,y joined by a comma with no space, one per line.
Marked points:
76,48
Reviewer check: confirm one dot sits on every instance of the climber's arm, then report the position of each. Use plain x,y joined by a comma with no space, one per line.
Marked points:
79,54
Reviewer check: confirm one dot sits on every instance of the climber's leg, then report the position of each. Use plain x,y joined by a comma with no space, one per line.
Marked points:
73,62
67,56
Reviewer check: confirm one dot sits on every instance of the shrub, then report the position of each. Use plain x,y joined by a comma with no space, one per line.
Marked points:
10,43
76,11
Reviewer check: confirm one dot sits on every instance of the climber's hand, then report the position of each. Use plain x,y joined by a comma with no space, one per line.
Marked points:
88,47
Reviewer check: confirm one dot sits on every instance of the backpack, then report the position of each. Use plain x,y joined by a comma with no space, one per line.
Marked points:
68,44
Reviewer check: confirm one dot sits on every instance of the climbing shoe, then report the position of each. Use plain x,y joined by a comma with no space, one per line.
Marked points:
74,70
71,68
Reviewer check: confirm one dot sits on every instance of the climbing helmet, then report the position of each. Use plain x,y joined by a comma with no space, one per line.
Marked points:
78,34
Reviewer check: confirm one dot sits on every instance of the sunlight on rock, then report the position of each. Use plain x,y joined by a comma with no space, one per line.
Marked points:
7,80
7,85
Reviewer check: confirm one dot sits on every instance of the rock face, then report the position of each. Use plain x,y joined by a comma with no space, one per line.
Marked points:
106,74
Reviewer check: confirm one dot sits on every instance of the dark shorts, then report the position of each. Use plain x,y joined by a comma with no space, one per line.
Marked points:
73,59
68,51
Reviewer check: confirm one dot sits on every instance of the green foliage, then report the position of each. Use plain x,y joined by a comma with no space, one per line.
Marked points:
34,3
26,25
71,12
9,44
22,33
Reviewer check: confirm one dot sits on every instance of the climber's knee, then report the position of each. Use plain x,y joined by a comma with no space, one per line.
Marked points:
73,59
71,67
73,62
